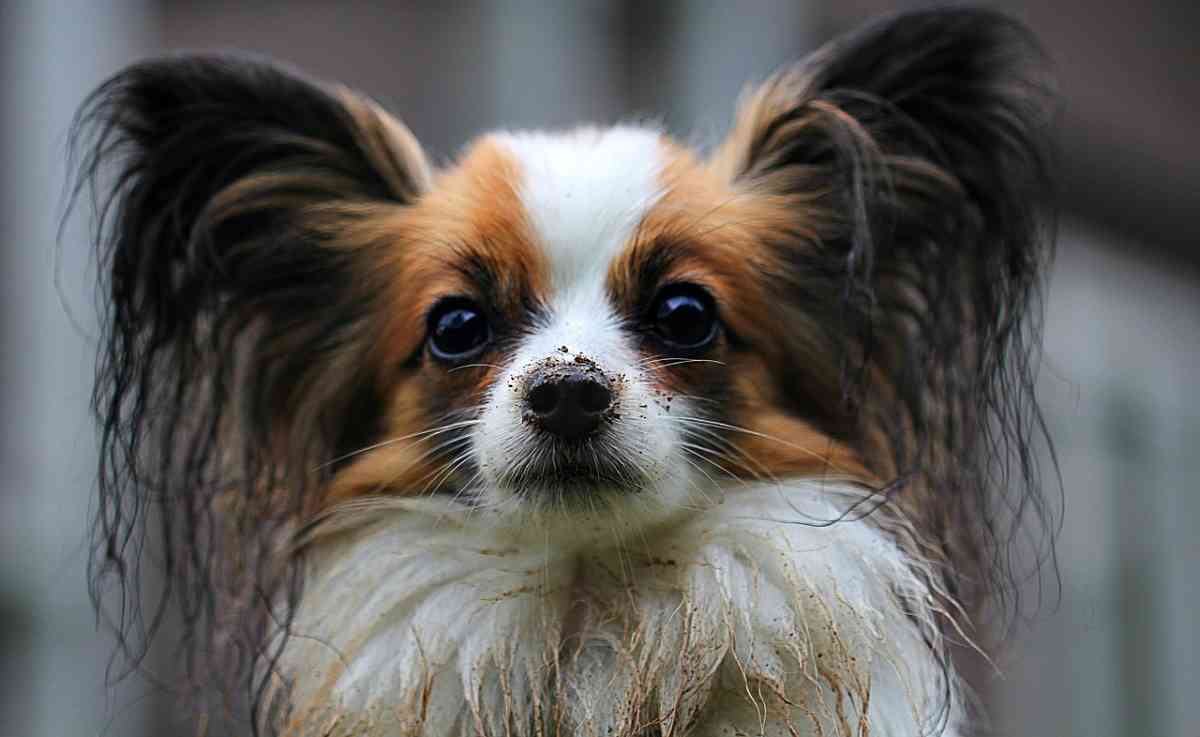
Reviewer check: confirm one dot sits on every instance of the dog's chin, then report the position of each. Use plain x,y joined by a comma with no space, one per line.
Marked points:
589,500
570,486
581,477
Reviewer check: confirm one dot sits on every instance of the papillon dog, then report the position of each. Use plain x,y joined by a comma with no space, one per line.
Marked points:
587,433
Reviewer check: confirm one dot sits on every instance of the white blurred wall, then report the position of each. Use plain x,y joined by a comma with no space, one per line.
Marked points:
1119,654
52,665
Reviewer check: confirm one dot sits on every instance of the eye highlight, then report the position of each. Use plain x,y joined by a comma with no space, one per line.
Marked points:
684,317
458,329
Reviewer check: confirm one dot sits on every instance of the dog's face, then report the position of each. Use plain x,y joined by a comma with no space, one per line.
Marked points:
608,398
577,321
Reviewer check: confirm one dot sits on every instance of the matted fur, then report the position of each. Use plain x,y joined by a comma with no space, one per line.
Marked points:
737,618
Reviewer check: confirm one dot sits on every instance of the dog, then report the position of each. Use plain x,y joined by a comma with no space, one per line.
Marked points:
585,433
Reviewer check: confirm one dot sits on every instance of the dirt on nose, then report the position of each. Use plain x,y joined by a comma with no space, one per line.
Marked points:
552,368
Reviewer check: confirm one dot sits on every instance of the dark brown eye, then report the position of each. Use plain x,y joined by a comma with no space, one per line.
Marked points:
458,330
685,317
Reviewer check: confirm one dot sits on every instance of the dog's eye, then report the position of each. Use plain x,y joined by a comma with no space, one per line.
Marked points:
458,330
685,317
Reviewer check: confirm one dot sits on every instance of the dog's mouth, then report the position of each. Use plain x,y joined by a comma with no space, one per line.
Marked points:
572,474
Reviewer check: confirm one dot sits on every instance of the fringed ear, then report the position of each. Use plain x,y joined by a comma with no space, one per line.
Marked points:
237,354
908,157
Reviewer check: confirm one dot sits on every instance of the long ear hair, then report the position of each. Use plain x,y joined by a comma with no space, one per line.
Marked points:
237,349
911,149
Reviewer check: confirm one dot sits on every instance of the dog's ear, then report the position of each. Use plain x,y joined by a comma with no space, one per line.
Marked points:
239,327
892,120
906,157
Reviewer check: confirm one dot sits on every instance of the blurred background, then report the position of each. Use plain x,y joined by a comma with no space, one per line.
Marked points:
1117,653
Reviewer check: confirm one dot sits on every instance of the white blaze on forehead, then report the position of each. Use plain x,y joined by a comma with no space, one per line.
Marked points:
584,193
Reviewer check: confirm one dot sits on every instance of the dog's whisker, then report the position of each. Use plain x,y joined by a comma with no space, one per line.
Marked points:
668,361
496,366
422,434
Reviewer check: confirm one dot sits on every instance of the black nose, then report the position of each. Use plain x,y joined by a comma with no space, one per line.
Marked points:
569,402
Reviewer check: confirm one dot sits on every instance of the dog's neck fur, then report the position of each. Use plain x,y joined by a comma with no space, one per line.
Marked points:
753,616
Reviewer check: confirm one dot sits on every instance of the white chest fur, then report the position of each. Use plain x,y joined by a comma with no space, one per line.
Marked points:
749,618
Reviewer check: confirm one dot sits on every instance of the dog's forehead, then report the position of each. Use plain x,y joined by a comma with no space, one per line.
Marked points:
584,194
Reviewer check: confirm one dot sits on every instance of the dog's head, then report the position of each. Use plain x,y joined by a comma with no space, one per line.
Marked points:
559,327
575,322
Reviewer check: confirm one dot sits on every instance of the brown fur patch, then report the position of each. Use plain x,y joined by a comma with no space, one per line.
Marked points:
707,232
467,237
